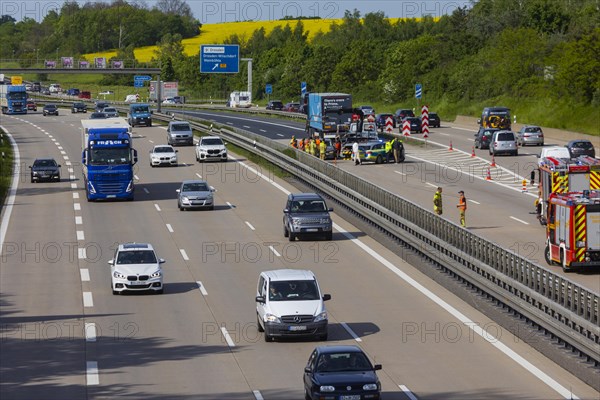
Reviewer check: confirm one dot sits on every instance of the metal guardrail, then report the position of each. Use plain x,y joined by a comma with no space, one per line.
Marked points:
563,308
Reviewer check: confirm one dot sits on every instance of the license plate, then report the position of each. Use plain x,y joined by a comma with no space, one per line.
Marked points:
350,397
136,283
312,230
297,328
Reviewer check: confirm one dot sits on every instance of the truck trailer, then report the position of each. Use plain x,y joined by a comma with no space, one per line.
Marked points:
328,113
13,99
107,159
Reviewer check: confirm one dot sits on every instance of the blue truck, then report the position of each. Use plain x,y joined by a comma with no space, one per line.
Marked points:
139,114
107,159
13,99
327,112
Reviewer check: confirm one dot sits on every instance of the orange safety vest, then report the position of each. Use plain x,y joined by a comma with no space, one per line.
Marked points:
462,203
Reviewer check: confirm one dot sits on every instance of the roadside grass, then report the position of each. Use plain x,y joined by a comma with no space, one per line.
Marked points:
6,167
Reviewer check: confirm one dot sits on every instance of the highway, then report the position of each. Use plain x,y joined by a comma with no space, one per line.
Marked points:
495,207
65,336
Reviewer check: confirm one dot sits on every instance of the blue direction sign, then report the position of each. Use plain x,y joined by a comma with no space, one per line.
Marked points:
138,83
142,77
220,58
268,88
418,90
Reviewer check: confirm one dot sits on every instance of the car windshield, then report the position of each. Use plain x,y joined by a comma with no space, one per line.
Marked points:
212,142
140,109
50,107
163,149
100,156
136,257
195,187
108,109
181,127
582,145
343,362
293,290
308,206
44,163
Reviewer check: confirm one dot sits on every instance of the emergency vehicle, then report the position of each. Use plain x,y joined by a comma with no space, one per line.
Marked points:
564,175
573,229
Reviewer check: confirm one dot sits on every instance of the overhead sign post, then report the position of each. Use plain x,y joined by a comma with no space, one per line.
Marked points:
220,58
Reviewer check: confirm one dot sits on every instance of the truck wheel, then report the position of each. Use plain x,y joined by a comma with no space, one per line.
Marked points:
549,260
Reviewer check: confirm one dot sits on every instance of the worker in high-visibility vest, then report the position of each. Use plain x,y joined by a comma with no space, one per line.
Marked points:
388,151
462,207
322,149
293,142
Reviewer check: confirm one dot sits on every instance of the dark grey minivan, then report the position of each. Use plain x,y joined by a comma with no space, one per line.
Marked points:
306,214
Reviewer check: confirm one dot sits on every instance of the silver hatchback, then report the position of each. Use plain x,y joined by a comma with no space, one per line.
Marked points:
504,142
530,134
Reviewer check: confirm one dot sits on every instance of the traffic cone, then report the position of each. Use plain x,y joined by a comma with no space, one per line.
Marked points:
493,162
473,152
488,176
524,188
450,148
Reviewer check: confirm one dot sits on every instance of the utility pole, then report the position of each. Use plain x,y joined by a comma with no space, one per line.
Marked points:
249,75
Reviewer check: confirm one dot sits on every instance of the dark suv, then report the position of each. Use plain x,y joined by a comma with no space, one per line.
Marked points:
483,137
79,107
434,120
306,214
275,105
402,113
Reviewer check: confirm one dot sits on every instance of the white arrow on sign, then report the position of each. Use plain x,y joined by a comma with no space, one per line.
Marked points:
215,67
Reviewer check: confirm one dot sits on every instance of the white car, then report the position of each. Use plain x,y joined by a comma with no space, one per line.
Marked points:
163,154
169,100
55,88
135,267
211,148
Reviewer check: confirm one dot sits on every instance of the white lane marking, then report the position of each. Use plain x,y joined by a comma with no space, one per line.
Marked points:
157,207
75,195
227,337
229,204
66,157
246,126
202,289
279,134
151,141
262,130
350,331
80,235
63,152
229,123
431,184
92,373
73,186
184,254
485,335
146,191
263,176
198,175
473,201
88,300
566,393
519,220
407,392
136,177
76,206
257,395
90,332
401,173
170,228
81,253
59,146
68,163
71,177
250,225
274,251
443,134
78,220
84,273
52,138
253,120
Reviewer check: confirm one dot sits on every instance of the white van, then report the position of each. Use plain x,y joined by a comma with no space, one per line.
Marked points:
289,303
555,151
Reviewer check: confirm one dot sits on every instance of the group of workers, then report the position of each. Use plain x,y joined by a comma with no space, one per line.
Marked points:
316,146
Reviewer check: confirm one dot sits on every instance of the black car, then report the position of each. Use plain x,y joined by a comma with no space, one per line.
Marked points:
415,124
341,372
45,169
50,109
275,105
100,105
402,113
581,147
380,120
483,137
98,115
434,120
79,107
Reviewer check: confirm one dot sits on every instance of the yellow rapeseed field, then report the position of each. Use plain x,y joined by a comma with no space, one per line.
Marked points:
218,33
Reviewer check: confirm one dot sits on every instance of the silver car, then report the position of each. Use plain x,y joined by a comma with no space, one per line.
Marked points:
504,142
195,194
530,134
110,112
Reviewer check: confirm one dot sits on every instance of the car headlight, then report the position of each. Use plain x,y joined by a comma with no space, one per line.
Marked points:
326,388
119,275
296,221
184,199
156,274
321,317
370,386
271,318
35,173
173,157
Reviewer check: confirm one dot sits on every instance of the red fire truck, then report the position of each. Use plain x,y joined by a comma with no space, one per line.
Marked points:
573,229
563,175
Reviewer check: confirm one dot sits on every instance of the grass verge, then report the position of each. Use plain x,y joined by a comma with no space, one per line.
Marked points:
6,167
